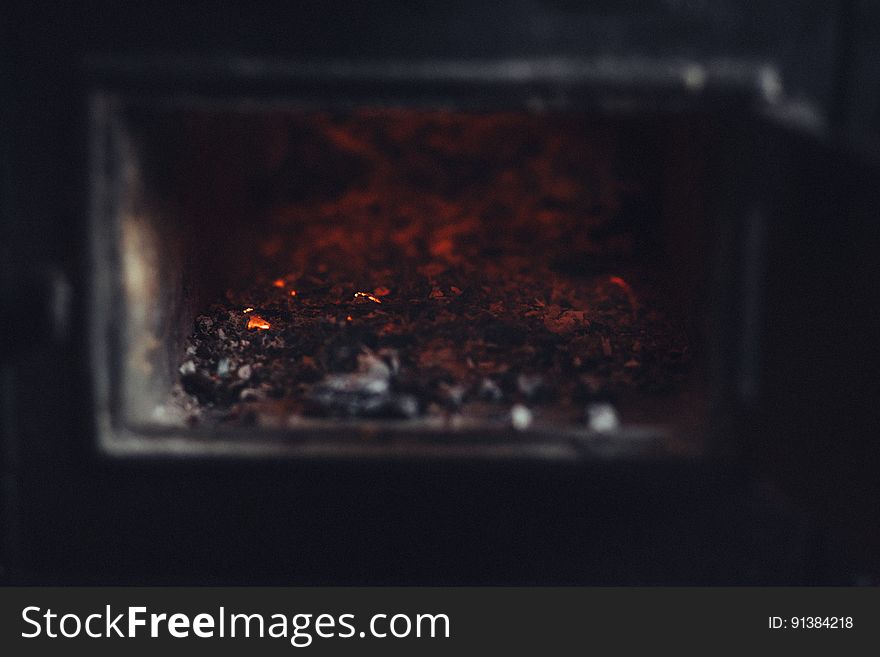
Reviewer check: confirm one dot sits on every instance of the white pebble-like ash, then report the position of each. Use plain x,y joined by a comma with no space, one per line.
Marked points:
520,417
602,418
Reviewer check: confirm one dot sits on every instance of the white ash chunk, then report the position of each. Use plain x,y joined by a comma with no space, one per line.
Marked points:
489,390
531,385
252,394
357,383
520,417
408,405
224,366
602,418
372,366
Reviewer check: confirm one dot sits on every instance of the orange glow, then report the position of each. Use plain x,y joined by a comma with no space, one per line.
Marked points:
627,288
381,291
617,280
257,322
364,295
278,282
293,293
248,310
348,318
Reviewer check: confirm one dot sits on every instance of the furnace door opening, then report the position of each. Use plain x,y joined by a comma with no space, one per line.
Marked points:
429,269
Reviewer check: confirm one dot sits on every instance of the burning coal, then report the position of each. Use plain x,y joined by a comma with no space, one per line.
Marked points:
440,265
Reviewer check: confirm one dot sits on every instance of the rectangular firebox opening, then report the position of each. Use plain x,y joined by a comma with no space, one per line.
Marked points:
272,273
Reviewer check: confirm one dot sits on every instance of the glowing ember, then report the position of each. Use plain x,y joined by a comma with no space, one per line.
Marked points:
278,282
248,310
257,322
364,295
618,281
348,318
293,293
627,288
